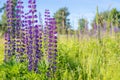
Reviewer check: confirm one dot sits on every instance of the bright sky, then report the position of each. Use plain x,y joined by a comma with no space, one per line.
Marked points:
77,8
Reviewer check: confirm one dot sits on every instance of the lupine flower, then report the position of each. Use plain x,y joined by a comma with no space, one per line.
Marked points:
116,29
19,31
26,36
95,27
34,36
30,40
38,46
30,50
8,43
6,46
54,29
51,34
104,27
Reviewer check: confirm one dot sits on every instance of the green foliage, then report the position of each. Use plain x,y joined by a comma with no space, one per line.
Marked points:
1,50
63,23
3,23
81,24
112,16
115,16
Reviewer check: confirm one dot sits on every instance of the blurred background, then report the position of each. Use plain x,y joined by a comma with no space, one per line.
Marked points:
78,16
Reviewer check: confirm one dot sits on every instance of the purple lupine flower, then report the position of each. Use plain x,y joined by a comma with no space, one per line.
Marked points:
46,30
29,39
95,27
30,50
38,46
47,39
33,40
55,45
27,36
8,43
52,43
116,29
19,30
104,26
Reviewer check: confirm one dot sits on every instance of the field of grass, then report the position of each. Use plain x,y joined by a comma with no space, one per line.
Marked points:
83,60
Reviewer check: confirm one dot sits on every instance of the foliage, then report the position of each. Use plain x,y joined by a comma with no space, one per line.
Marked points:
112,16
82,24
115,17
63,23
1,50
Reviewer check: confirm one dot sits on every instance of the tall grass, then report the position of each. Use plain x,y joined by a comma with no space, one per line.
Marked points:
89,60
77,60
1,50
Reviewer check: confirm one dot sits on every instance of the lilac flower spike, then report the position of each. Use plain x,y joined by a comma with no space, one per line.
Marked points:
50,35
19,31
8,43
25,36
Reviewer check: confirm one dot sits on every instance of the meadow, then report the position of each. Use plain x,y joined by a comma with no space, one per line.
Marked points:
85,59
50,49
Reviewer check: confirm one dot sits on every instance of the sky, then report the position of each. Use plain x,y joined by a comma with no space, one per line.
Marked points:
77,8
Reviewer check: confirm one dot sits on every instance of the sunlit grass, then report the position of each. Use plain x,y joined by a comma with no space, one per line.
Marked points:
79,60
90,60
1,50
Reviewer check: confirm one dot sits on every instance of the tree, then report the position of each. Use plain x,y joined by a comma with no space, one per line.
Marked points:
3,23
81,24
61,16
2,8
115,15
